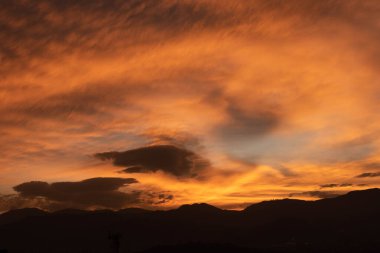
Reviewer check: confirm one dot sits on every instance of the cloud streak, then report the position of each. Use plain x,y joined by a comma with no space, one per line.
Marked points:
317,194
369,174
335,185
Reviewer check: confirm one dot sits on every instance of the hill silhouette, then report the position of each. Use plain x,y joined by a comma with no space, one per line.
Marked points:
348,223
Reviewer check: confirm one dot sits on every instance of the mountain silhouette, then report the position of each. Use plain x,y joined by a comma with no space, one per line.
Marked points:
348,223
198,207
20,214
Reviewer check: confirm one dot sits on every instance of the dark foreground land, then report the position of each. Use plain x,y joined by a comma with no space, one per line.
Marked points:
349,223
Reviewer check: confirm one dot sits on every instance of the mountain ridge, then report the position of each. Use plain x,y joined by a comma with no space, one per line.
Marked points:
348,223
357,195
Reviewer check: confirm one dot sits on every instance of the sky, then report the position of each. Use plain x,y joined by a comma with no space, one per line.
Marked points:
158,103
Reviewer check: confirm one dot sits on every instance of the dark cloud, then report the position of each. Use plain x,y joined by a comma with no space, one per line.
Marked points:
335,185
134,169
243,123
94,192
369,174
156,197
285,171
345,185
163,198
168,158
329,185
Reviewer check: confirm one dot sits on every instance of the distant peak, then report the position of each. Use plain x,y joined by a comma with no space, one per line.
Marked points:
133,210
275,203
19,214
70,211
368,193
25,211
198,206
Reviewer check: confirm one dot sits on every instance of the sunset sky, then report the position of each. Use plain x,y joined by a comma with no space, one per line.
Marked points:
158,103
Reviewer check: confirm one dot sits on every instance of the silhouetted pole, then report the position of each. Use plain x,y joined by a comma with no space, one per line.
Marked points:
115,241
